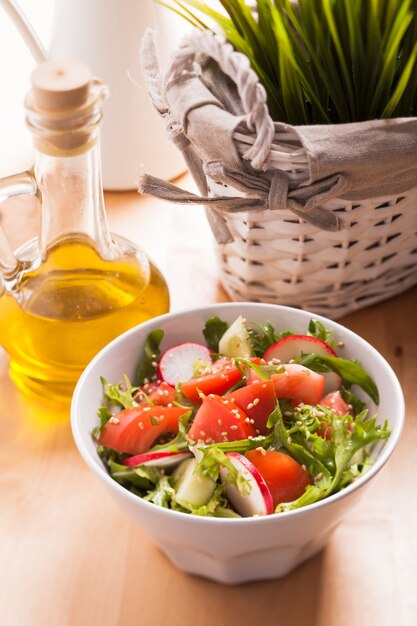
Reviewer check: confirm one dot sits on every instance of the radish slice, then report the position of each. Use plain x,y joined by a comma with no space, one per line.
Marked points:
157,459
176,364
291,347
259,500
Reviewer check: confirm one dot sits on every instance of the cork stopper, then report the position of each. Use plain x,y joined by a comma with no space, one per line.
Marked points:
64,107
59,86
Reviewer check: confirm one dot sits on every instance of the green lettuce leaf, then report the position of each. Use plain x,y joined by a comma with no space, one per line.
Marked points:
120,394
350,371
142,477
331,462
263,336
213,332
317,329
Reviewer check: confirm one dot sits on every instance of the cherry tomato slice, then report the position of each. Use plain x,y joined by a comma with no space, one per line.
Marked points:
257,400
217,383
219,420
286,479
135,430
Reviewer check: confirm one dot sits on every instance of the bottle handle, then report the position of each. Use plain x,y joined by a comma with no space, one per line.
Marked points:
10,186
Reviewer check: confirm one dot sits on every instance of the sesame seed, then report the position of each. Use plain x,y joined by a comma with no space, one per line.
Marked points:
287,413
250,406
224,434
170,404
235,411
114,420
264,386
289,441
304,467
202,433
219,421
147,408
257,431
141,426
225,401
252,421
161,417
250,437
211,395
223,376
298,423
320,475
160,392
340,344
154,364
256,401
261,450
291,361
233,427
153,356
146,381
247,420
165,392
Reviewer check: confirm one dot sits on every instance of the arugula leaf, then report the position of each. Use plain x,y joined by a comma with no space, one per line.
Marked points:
118,395
147,369
317,329
350,371
352,399
242,445
275,416
214,331
263,336
263,371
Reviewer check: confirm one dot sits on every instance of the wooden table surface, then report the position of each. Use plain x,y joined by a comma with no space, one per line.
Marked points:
70,557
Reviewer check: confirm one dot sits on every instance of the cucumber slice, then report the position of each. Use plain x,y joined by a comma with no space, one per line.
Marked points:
192,489
236,341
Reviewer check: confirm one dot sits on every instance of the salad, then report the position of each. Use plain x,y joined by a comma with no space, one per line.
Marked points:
252,422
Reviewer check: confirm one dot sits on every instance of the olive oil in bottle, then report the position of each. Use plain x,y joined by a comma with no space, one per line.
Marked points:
69,292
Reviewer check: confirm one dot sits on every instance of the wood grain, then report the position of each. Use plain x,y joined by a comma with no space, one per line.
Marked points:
70,557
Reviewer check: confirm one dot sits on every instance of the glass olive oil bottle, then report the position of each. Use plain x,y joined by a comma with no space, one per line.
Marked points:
75,287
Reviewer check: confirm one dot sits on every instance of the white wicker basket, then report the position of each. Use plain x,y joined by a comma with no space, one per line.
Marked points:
278,258
275,256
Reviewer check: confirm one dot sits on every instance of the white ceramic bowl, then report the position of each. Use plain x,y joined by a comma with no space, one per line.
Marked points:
232,550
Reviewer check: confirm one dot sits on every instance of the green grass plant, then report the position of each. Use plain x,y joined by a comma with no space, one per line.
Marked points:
322,61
